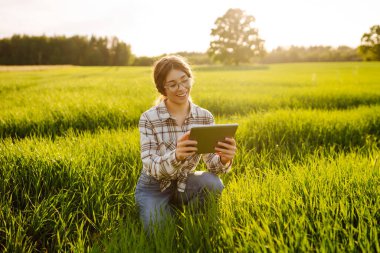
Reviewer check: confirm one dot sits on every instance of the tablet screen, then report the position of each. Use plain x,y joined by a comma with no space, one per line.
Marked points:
208,136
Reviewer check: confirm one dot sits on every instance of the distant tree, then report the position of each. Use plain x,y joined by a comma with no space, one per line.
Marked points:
123,54
144,61
196,58
95,51
311,54
370,44
76,50
234,38
345,53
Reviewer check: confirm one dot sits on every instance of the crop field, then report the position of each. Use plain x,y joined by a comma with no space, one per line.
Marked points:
306,176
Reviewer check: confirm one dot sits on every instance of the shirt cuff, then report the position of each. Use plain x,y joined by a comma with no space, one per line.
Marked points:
225,168
173,161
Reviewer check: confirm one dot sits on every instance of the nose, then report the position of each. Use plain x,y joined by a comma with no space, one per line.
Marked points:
181,86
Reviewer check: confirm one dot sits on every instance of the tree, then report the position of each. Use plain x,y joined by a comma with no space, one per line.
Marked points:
234,39
77,50
370,44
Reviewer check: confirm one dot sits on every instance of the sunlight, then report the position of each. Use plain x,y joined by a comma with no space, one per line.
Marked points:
156,27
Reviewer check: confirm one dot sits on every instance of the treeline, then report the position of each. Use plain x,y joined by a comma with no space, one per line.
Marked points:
312,54
278,55
75,50
104,51
196,58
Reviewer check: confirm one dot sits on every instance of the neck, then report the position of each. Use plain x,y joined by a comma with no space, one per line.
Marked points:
177,109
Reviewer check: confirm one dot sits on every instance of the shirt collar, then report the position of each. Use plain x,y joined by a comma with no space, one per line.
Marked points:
164,113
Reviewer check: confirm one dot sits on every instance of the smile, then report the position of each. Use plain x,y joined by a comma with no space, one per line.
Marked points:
182,95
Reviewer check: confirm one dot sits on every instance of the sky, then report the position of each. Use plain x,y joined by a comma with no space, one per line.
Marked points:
167,26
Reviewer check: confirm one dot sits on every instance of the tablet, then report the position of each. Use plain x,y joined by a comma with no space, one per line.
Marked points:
208,136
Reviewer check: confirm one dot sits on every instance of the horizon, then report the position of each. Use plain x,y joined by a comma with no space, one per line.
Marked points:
291,23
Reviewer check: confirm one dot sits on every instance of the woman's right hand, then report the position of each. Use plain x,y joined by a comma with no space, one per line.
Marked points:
185,147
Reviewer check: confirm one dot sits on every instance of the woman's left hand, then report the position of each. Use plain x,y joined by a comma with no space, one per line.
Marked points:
226,150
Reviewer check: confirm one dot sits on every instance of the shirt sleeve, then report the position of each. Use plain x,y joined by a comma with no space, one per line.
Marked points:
212,160
157,165
214,164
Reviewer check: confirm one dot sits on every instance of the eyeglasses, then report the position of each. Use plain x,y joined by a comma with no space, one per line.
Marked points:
175,86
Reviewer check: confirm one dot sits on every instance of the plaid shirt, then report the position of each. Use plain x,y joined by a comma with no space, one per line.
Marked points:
159,133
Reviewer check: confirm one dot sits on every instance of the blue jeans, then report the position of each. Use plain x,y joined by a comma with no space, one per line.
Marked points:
155,206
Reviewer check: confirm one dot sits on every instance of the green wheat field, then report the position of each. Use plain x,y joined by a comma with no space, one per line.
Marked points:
306,176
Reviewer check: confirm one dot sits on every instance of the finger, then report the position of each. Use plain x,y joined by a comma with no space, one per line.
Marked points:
187,149
231,141
227,158
226,155
230,156
228,146
188,143
225,151
185,136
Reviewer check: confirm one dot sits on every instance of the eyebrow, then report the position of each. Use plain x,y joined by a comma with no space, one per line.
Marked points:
184,75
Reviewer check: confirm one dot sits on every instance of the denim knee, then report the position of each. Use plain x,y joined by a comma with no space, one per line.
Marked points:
153,204
212,182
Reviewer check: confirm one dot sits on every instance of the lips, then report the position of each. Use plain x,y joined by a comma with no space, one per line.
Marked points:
182,95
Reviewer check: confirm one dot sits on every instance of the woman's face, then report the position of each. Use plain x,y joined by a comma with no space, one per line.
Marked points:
177,86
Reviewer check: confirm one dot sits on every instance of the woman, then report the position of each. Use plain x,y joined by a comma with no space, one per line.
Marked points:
169,158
